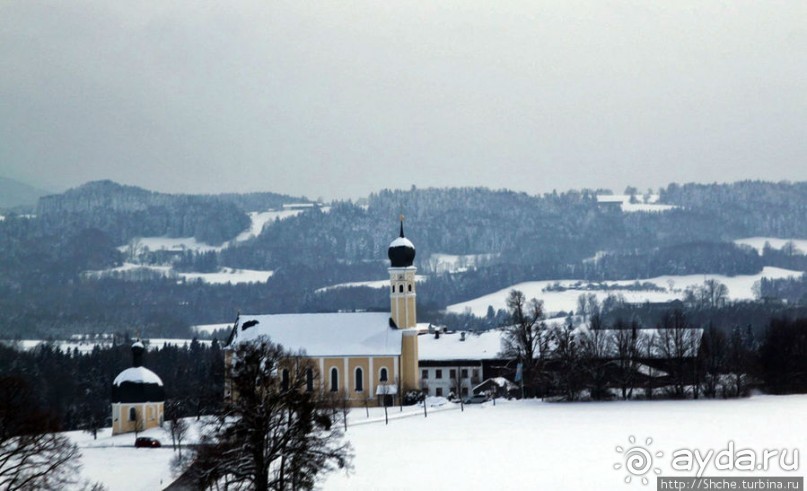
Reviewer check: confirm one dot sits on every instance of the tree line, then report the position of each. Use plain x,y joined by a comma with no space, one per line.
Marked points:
587,356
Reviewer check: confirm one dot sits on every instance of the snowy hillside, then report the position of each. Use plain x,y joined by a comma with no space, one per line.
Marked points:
670,288
512,445
638,202
563,446
758,243
223,276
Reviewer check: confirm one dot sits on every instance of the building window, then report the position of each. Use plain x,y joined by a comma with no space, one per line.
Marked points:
410,288
464,373
359,380
393,288
132,414
284,379
438,392
464,391
452,374
309,380
438,373
424,374
475,373
400,288
334,380
382,375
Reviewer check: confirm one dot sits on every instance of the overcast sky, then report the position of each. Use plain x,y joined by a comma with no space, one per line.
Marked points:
337,99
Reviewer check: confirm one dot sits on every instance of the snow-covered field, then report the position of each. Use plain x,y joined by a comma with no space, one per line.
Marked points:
223,276
230,275
758,243
369,284
114,462
563,446
257,222
259,219
86,346
740,288
452,263
210,328
641,202
513,445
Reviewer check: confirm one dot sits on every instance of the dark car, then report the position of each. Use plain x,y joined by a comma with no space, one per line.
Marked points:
146,442
476,399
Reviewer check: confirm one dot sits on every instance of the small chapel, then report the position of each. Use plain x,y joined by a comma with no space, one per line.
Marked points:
138,396
372,357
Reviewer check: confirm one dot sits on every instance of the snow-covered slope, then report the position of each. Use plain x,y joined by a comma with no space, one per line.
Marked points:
512,445
740,288
758,243
639,202
563,446
369,284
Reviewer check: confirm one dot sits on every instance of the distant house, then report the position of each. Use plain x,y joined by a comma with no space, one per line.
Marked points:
456,362
370,357
138,396
497,387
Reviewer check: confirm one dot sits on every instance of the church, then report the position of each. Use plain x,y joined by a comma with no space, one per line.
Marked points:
138,396
369,356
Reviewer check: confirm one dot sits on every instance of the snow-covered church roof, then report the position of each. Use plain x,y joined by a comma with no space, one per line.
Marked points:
137,375
331,334
138,383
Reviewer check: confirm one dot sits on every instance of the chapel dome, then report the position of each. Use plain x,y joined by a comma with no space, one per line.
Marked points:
401,251
138,383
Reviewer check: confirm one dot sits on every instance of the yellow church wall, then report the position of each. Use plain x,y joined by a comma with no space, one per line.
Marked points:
364,364
150,414
410,377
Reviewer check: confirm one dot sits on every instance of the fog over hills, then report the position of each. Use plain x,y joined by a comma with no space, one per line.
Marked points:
18,194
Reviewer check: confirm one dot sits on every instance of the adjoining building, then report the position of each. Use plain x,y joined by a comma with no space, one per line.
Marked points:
138,396
454,363
370,357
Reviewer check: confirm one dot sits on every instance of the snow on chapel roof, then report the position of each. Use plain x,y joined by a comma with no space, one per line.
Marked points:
334,334
137,375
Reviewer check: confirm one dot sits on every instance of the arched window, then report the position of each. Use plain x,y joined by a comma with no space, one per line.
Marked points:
359,380
393,288
132,414
382,375
334,380
400,288
309,380
284,379
410,287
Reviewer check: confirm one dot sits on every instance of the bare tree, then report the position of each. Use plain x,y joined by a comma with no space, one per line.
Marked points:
594,347
273,433
626,346
568,376
678,343
739,361
32,455
525,337
715,355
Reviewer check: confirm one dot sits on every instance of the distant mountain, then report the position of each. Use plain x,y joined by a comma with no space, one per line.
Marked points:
15,194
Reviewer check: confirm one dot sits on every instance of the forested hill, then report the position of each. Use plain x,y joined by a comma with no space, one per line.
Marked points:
124,212
552,230
490,239
748,207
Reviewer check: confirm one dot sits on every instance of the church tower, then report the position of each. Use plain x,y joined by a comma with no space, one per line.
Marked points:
403,309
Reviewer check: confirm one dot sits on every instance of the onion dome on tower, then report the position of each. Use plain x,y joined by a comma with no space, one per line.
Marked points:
138,383
401,251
